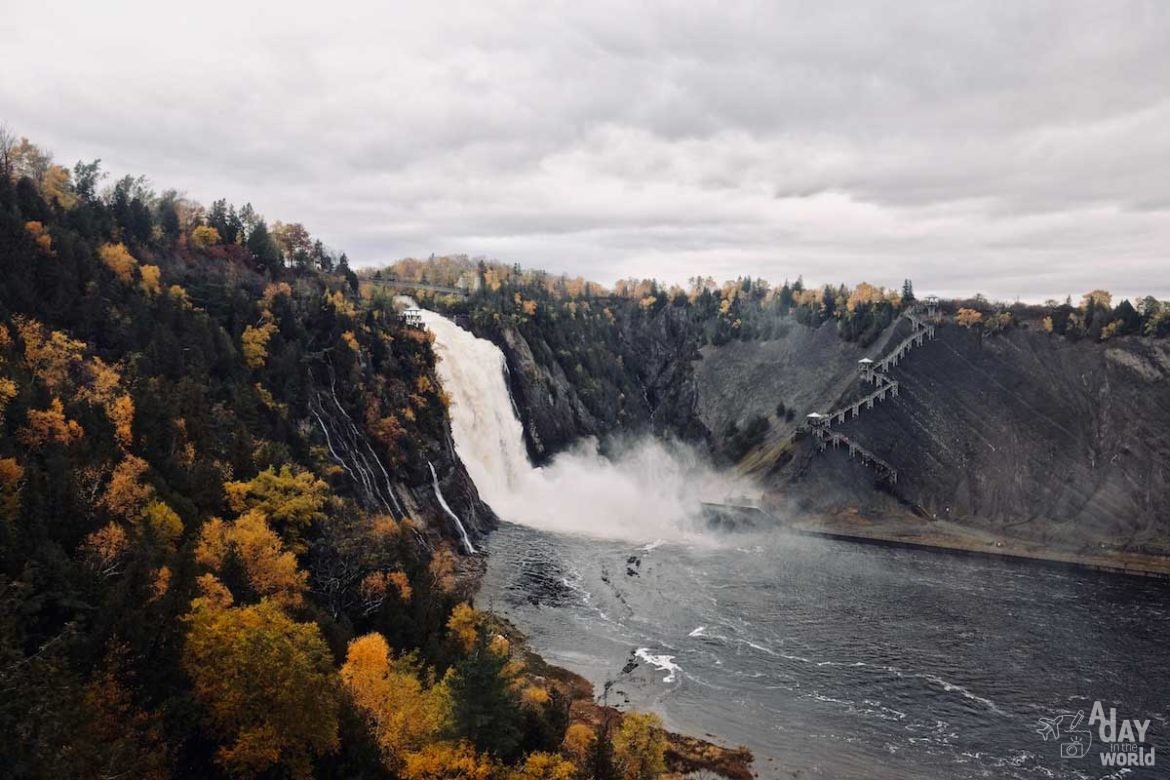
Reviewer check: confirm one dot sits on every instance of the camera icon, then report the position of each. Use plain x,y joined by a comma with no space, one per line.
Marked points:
1075,747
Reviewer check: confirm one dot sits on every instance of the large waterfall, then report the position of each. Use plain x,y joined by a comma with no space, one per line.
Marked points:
651,491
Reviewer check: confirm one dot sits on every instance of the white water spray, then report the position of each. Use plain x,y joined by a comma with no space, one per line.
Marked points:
651,491
443,503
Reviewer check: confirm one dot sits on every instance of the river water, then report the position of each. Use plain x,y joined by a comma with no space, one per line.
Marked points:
834,659
827,658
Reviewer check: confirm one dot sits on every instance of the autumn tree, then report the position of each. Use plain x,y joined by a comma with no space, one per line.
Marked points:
119,260
969,318
449,761
544,766
254,343
404,710
291,499
270,571
204,236
640,746
50,426
266,682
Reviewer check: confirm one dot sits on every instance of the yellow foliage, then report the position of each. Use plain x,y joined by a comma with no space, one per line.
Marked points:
151,274
119,260
534,697
266,682
448,761
463,625
1099,298
271,570
578,743
254,344
1047,325
57,186
50,425
864,294
204,236
162,522
968,318
404,715
351,341
640,746
291,500
544,766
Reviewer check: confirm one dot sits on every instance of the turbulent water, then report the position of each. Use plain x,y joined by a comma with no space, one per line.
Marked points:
839,660
828,659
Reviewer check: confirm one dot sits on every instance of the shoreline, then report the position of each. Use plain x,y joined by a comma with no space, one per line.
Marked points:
685,754
950,540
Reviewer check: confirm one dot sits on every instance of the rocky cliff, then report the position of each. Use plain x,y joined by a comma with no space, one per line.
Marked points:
1031,434
644,383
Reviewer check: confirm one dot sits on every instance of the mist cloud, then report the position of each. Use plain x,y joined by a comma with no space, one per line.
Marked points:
1016,150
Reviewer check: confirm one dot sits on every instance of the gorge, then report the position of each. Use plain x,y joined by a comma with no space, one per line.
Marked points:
825,658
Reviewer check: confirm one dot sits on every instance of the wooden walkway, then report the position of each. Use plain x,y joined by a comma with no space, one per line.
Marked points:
922,321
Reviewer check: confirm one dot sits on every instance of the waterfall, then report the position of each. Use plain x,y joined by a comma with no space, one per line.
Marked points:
443,503
651,491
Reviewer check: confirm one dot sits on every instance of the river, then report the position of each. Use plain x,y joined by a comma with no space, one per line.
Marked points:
836,659
827,658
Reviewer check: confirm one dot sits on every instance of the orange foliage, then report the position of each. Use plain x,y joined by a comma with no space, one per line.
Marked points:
11,475
105,548
127,494
40,236
161,584
121,414
377,585
442,570
403,714
271,570
50,425
448,761
578,743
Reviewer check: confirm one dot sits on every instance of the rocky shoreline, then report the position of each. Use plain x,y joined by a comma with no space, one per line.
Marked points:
684,754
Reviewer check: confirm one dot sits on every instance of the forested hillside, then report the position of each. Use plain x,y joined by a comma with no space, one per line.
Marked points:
220,548
587,360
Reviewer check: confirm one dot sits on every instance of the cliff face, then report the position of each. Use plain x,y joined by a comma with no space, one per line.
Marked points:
646,383
1034,435
1026,433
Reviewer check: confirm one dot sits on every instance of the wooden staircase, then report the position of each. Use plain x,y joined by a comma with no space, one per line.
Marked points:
923,318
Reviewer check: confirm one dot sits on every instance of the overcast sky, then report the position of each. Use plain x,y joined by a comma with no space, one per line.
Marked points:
1019,149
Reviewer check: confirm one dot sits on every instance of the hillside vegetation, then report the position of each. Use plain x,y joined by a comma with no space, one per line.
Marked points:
220,550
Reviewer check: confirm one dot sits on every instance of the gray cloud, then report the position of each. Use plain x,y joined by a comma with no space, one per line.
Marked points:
1015,149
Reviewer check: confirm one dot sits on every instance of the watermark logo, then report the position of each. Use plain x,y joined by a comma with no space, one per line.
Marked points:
1120,743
